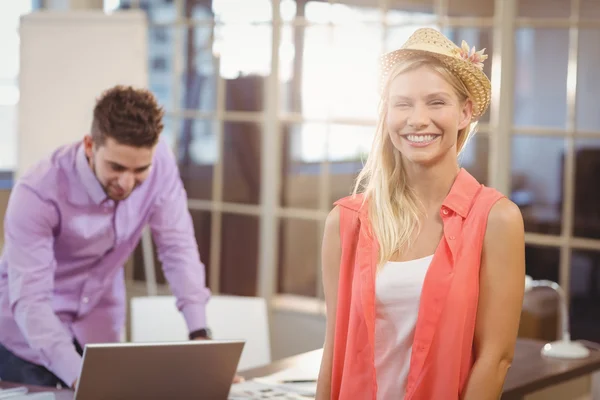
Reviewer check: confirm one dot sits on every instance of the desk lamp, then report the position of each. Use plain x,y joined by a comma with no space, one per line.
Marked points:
563,348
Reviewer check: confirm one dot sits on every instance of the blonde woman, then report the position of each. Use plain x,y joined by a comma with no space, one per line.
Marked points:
423,267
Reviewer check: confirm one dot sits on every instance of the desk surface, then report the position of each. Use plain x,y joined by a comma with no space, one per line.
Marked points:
530,371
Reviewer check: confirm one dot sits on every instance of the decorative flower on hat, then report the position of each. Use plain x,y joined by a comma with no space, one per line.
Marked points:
469,54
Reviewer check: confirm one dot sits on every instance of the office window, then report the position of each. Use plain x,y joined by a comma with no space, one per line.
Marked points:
271,116
555,145
10,13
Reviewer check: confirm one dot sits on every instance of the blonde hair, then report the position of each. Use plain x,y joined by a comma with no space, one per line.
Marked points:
394,208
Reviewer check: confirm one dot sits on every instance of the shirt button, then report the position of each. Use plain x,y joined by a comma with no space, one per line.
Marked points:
445,211
86,300
452,237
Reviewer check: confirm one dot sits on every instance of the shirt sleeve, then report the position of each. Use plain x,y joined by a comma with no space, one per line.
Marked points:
29,238
173,232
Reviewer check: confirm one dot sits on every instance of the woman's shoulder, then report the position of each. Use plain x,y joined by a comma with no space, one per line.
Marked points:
486,198
354,202
505,216
347,215
495,208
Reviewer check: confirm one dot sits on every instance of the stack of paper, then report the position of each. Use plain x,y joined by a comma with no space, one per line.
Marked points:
21,393
294,374
291,384
254,389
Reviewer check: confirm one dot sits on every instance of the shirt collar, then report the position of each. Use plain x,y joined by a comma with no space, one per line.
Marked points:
88,178
462,193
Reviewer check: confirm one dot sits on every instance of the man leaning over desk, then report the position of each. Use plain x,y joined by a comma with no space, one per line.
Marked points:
72,222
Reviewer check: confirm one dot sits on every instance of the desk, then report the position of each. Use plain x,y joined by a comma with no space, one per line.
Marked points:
530,372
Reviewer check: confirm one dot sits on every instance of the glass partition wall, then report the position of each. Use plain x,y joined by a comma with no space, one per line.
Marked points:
271,107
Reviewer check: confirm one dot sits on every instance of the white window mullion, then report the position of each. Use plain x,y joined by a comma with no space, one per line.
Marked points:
217,184
177,60
503,78
270,171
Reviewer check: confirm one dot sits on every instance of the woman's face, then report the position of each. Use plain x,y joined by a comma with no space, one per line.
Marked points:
424,116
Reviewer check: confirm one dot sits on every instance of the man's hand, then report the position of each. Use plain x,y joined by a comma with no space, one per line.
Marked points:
236,378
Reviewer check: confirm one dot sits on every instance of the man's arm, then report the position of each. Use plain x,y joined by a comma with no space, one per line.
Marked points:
28,225
173,233
502,286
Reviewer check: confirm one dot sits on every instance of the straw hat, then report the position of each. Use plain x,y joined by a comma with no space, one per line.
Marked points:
465,63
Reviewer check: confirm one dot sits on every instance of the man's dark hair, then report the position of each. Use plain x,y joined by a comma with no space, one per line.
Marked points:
130,116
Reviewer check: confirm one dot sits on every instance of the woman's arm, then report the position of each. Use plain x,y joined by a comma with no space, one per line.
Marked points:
330,262
501,290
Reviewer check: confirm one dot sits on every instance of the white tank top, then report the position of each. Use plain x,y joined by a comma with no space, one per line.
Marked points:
398,292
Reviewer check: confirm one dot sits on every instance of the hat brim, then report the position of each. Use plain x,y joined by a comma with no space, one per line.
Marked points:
477,83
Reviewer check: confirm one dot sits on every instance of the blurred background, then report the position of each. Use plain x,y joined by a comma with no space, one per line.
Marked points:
271,107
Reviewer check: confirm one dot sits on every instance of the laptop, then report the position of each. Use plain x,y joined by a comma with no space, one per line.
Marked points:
197,369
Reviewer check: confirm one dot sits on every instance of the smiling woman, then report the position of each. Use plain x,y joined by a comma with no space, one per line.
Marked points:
414,216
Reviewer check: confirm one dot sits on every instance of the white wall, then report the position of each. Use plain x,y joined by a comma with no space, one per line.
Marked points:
68,58
8,121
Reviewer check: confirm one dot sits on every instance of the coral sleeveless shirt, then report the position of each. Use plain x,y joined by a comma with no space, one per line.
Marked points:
442,352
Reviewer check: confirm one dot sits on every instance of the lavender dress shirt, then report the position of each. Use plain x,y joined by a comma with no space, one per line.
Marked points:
61,271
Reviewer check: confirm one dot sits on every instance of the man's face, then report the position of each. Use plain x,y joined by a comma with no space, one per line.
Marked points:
119,168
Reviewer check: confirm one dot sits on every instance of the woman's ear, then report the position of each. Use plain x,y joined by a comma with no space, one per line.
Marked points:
466,114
